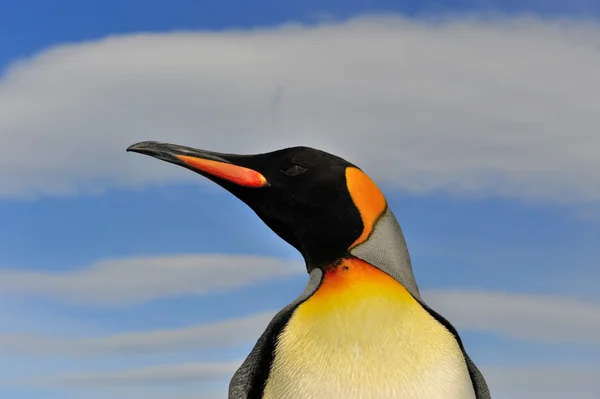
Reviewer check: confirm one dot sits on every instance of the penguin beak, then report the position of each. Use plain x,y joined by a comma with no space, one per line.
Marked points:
210,164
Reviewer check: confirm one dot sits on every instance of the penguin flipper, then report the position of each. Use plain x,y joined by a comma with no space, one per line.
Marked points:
479,384
481,388
250,379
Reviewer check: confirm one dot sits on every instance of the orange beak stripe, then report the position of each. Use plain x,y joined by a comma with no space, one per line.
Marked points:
235,174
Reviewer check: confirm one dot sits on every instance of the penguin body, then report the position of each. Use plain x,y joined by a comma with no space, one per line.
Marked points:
374,341
360,329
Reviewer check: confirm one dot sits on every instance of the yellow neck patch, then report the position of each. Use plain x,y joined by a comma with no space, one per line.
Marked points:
367,197
348,284
362,335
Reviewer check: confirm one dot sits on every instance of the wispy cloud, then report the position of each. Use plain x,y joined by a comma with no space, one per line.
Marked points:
463,105
540,318
543,382
210,335
134,280
166,374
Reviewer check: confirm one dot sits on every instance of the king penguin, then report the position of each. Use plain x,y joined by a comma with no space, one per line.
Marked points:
360,329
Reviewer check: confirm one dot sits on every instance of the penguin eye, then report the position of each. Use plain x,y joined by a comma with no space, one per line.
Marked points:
294,170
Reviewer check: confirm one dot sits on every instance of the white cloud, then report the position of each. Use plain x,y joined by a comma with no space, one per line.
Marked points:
543,382
540,318
203,336
133,280
497,106
166,374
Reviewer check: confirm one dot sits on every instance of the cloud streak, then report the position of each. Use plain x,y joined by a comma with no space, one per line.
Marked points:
139,279
465,106
165,374
543,382
541,318
203,336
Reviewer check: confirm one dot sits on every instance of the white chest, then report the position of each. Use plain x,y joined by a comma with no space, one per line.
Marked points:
374,348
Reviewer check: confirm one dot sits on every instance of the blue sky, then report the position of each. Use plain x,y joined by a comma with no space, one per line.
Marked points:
485,150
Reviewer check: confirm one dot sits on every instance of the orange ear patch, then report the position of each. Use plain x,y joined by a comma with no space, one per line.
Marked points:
368,199
226,171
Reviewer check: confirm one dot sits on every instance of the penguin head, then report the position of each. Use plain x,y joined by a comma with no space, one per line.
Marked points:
319,203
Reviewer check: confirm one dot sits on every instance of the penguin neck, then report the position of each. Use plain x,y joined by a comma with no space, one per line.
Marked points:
386,250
